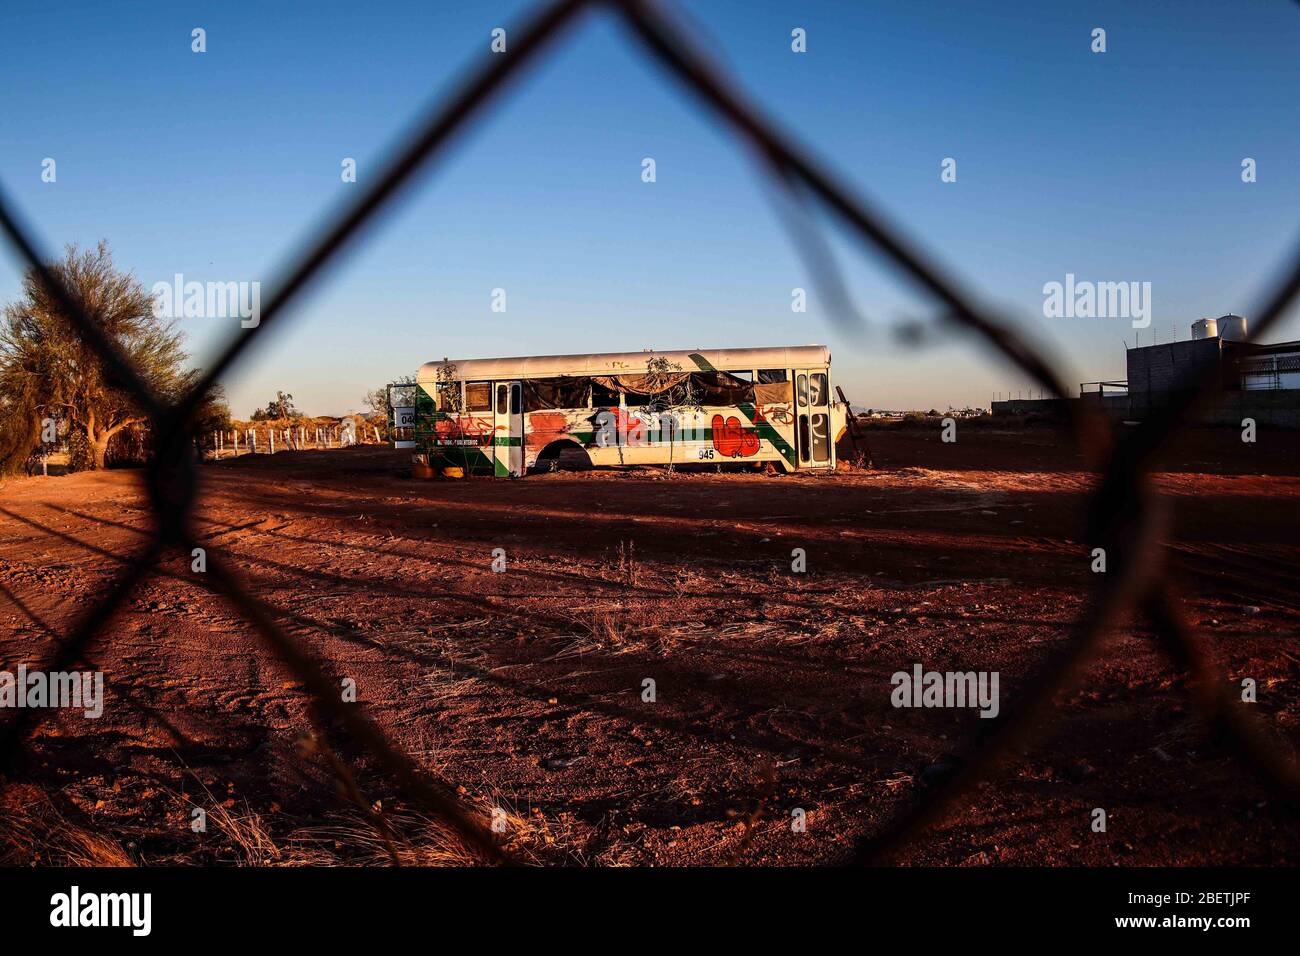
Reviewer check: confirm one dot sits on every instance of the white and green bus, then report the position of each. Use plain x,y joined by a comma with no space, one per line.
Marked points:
507,416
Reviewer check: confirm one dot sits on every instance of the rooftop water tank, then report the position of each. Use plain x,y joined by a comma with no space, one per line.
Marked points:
1232,328
1204,329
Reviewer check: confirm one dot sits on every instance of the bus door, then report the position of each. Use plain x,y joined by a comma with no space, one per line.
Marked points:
508,433
401,415
812,417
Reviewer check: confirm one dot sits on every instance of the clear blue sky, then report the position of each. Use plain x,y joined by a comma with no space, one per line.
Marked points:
1117,166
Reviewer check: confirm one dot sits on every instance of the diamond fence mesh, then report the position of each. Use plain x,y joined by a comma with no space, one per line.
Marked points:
1124,516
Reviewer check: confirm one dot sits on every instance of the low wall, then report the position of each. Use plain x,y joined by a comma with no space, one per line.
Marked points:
1054,407
1274,407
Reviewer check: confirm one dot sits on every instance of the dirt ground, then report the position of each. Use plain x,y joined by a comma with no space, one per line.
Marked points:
771,688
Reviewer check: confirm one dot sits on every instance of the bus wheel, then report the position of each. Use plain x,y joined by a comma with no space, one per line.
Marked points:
563,456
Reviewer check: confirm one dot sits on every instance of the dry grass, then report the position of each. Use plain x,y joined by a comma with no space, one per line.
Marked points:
352,838
603,631
247,834
34,832
417,839
628,569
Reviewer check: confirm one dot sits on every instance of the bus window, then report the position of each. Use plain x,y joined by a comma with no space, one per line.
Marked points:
821,442
603,397
516,398
803,436
478,396
501,399
817,388
772,376
449,396
564,391
802,389
747,375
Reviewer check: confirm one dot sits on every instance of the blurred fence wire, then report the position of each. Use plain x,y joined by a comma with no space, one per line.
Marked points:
1123,516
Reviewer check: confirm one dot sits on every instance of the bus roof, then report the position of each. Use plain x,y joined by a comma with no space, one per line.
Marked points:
616,363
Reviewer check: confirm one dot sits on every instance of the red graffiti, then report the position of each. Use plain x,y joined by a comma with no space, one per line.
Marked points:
633,428
465,429
773,413
627,430
731,439
546,427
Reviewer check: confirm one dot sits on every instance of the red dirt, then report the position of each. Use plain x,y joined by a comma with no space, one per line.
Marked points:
525,687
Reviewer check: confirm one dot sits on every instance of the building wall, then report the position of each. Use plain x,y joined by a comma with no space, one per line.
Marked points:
1158,368
1265,367
1030,406
1278,407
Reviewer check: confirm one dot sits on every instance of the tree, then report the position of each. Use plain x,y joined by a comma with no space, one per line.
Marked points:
448,388
377,399
381,410
279,407
213,413
673,393
46,370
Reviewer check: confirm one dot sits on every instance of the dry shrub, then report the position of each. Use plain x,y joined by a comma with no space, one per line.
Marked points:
352,838
247,834
33,832
417,839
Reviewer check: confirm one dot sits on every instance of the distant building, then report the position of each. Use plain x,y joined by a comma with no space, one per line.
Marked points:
1240,365
1250,380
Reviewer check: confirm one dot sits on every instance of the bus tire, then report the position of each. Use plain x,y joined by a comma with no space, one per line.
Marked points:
563,455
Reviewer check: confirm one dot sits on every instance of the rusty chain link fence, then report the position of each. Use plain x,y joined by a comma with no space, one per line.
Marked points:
1124,517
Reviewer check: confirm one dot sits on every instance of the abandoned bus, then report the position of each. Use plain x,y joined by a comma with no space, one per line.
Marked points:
507,416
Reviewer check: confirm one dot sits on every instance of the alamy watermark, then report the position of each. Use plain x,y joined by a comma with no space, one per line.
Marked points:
1098,300
923,688
179,299
78,690
74,908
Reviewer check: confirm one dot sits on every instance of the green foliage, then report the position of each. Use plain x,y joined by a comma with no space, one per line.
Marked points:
20,433
278,408
213,413
47,370
448,390
676,392
81,457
